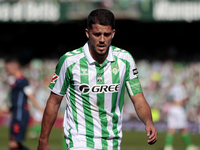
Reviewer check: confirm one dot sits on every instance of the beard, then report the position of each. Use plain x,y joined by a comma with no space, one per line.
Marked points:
100,54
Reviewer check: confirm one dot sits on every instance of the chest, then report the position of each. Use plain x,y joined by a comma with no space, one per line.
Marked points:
98,79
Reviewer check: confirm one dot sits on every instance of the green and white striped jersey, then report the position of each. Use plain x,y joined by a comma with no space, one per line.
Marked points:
95,96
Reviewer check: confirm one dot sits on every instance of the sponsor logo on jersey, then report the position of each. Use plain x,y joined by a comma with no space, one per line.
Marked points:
135,71
99,78
115,70
55,78
84,88
103,88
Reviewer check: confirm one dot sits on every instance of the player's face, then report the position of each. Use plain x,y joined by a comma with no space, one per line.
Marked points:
10,68
100,37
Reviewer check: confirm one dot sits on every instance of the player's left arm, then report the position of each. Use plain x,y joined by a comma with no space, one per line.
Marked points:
141,106
144,113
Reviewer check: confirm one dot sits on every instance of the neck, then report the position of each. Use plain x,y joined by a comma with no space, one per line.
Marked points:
18,74
99,58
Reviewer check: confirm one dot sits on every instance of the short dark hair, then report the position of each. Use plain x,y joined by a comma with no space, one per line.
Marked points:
12,59
102,17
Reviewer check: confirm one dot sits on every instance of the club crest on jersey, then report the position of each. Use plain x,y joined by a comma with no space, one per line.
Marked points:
99,78
115,70
55,78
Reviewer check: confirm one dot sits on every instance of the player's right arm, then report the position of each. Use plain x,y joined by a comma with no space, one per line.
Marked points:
49,117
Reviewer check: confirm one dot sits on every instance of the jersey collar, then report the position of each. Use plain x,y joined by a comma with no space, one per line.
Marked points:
89,57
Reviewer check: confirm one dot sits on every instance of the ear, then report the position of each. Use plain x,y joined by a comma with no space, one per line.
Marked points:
87,33
113,34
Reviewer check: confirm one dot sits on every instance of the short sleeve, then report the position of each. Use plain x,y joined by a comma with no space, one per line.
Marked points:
132,82
59,81
28,90
132,71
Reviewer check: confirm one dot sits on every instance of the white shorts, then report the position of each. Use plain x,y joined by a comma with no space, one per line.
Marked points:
177,118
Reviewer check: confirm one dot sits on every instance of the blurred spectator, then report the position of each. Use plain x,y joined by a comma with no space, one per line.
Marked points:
162,74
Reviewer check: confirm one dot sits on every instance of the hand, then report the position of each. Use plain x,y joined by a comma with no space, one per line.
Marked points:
43,144
43,147
151,133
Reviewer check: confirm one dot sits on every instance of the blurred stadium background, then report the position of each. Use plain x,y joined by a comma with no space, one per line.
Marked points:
162,36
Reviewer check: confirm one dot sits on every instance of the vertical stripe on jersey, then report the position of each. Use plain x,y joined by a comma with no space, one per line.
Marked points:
70,138
115,80
127,76
72,102
67,80
86,104
58,68
121,103
102,112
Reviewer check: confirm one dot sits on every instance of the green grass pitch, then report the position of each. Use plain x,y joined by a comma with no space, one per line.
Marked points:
131,140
